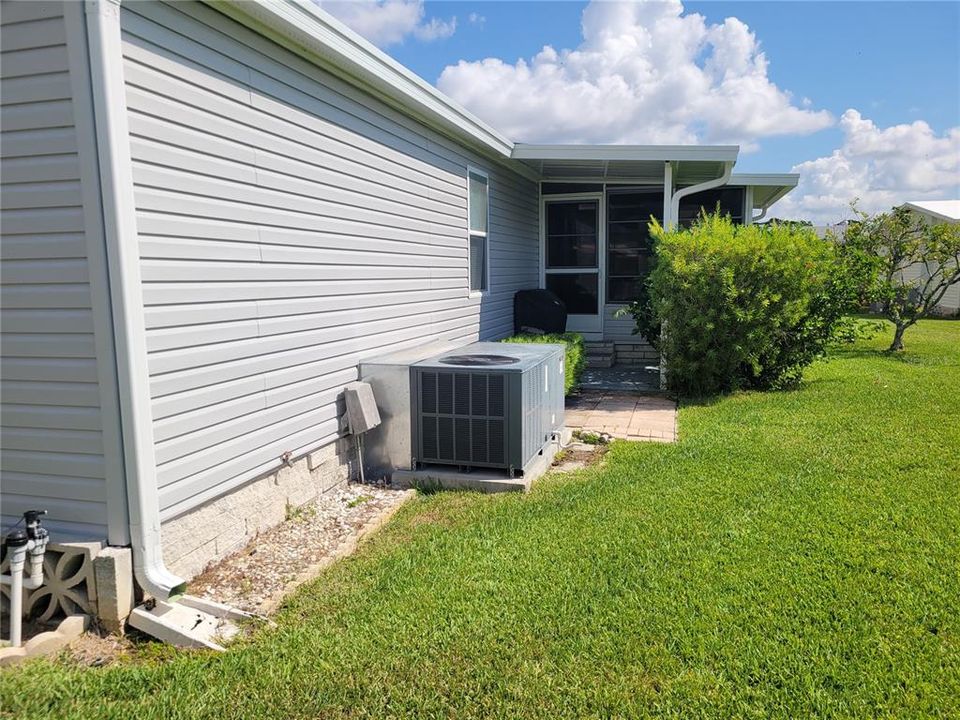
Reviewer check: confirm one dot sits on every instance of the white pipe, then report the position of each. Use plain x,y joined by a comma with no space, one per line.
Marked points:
17,583
761,216
34,578
15,579
120,236
708,185
16,605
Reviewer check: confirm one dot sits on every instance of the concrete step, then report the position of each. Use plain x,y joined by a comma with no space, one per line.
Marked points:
601,361
600,354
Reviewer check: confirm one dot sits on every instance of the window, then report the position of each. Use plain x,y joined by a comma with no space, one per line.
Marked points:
629,249
478,212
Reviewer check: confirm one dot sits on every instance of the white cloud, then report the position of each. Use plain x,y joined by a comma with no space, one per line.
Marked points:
882,167
645,72
436,29
388,22
476,19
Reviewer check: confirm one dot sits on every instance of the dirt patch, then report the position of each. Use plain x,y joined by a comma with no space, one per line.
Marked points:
96,648
578,456
314,535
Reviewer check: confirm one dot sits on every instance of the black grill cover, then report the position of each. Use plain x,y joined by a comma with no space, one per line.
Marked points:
538,311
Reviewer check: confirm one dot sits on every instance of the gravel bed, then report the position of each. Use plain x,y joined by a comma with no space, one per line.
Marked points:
252,578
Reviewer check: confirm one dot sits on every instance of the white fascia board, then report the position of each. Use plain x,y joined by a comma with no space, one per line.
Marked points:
765,179
652,153
305,25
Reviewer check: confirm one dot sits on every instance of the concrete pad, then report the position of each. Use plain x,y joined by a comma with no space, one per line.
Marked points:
447,477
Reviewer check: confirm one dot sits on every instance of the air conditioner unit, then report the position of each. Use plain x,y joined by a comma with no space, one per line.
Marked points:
490,405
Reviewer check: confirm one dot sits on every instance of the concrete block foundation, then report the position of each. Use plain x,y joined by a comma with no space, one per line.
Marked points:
208,534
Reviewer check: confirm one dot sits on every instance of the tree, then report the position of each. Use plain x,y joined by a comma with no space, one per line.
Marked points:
892,244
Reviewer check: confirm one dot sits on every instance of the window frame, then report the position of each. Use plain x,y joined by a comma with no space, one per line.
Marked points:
599,268
625,190
471,233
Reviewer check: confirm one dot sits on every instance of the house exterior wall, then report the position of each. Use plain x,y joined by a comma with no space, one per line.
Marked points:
60,424
950,304
951,301
289,226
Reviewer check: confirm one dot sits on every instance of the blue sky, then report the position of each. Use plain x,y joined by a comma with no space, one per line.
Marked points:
895,61
856,96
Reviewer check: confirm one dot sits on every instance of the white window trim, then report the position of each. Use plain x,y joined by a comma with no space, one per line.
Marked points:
486,236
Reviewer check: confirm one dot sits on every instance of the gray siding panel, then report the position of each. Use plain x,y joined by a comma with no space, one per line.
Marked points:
50,417
290,226
618,328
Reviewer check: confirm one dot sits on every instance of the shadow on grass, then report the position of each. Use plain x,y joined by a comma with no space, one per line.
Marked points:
685,401
854,353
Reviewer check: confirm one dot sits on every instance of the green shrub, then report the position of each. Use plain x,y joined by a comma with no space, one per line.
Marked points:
575,354
743,305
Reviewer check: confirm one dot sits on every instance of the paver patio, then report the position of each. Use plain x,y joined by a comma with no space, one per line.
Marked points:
624,415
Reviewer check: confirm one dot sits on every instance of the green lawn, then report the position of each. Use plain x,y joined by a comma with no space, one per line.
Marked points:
795,554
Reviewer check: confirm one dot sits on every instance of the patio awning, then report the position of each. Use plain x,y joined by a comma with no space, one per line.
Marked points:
640,163
767,187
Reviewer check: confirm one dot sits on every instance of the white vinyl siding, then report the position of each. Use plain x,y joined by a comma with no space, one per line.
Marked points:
289,226
52,435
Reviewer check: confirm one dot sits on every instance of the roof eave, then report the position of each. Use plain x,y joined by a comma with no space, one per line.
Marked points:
784,182
930,211
765,179
648,153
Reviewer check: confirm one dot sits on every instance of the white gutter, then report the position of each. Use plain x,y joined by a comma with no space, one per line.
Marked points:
708,185
120,237
647,153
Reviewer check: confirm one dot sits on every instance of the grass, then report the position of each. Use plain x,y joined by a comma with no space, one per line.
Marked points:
797,554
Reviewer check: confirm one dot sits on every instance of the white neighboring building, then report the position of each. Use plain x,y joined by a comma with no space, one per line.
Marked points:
935,212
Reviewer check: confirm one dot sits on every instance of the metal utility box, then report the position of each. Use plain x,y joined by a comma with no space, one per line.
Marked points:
493,405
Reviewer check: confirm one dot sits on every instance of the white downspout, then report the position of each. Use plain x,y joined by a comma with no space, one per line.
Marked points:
708,185
668,219
120,236
748,205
